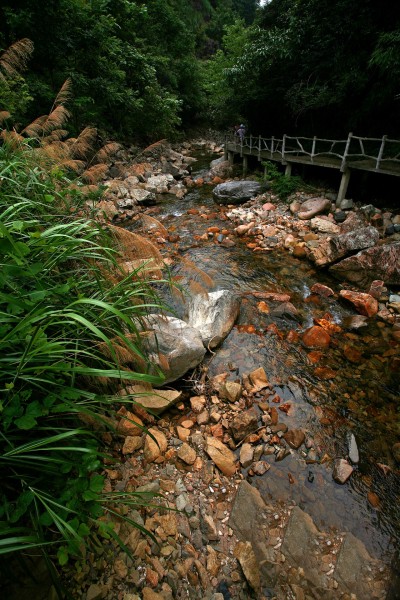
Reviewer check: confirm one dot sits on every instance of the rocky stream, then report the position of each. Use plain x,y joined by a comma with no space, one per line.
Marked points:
275,442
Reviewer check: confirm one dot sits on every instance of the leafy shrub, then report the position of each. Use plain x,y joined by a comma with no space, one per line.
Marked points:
281,185
63,299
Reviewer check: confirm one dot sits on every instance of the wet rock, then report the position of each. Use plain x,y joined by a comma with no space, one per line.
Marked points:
354,455
236,192
243,424
341,470
316,337
364,303
258,379
213,315
154,448
173,345
355,322
312,207
221,456
380,262
244,553
294,438
246,455
322,290
259,467
352,567
332,249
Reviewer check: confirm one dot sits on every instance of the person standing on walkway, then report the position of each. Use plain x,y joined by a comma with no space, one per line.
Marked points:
241,133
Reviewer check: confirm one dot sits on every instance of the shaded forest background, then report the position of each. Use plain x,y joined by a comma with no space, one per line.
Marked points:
145,70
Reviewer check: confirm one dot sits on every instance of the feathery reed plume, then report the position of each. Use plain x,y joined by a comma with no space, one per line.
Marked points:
106,151
65,93
12,138
81,145
35,129
4,115
15,58
94,173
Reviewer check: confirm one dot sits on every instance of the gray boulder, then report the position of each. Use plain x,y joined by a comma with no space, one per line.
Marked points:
173,345
213,315
332,249
236,192
380,262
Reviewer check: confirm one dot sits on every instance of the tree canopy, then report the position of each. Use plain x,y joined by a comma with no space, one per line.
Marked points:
142,70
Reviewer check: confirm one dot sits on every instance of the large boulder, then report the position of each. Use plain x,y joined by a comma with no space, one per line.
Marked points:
381,262
213,315
173,345
331,250
236,192
221,168
312,207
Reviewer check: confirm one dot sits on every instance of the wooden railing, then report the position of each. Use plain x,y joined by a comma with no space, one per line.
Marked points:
348,152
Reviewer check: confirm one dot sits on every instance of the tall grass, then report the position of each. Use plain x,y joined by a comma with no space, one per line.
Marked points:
63,299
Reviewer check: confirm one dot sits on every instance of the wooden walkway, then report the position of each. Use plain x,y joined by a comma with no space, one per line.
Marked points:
377,155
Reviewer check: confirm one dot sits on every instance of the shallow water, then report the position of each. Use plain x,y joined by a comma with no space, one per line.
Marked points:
362,398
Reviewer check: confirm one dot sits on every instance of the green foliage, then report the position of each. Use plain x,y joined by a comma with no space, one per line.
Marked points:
60,310
281,185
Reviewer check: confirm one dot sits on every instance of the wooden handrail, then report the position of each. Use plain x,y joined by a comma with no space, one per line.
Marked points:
378,149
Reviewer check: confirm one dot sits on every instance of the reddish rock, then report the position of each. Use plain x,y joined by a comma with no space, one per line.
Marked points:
379,262
377,288
316,337
314,356
352,354
322,290
299,251
312,207
292,336
294,437
268,206
328,325
245,423
342,470
325,373
365,304
260,467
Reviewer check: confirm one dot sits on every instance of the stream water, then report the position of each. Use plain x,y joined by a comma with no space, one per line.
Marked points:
361,400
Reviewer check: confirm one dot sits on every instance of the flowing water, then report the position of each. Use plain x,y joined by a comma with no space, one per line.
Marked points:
361,400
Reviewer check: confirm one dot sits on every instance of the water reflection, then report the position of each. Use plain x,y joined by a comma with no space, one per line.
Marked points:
362,398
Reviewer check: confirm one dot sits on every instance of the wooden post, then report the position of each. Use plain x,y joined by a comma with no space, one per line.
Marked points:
313,148
272,145
346,151
259,148
231,157
251,142
343,187
283,147
288,170
378,162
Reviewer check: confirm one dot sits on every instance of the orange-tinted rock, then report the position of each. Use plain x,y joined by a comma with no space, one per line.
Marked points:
292,336
365,304
322,290
316,337
328,325
294,437
352,354
299,251
263,307
314,356
374,500
325,373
